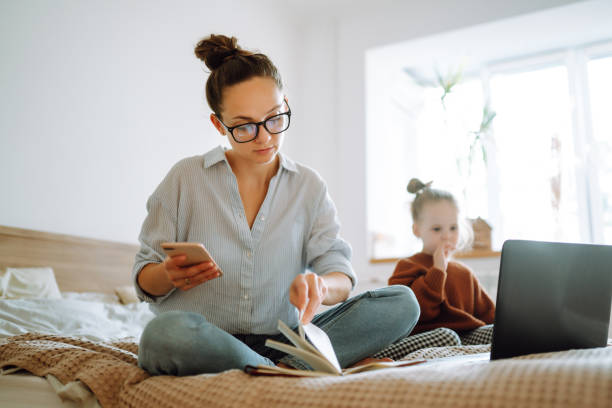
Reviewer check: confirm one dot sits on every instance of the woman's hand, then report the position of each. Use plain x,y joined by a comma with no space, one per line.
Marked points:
441,255
187,277
307,292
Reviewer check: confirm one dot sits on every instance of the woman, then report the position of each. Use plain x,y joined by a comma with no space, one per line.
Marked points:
265,220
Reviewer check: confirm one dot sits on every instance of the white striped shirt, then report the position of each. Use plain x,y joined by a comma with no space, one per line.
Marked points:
296,229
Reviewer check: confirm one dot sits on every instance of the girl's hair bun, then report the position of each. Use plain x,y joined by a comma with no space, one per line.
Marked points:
217,49
415,185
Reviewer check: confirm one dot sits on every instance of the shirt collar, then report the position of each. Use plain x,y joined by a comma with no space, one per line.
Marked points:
214,156
217,155
287,163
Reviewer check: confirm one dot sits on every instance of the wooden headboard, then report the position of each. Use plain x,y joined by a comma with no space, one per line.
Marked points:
79,264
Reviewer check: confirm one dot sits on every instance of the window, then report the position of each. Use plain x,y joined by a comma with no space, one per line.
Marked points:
600,148
542,170
535,155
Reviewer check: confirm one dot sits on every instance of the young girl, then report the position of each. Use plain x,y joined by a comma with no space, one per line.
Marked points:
448,292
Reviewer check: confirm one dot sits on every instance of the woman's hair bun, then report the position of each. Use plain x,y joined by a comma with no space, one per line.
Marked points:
217,49
415,185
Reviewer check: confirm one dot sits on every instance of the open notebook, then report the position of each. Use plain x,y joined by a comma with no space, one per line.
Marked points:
312,345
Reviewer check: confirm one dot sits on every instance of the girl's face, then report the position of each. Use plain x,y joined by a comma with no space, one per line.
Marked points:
253,100
436,225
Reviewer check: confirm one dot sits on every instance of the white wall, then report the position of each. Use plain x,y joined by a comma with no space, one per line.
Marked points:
317,144
100,98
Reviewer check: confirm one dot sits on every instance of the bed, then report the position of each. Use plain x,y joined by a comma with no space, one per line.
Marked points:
49,361
88,273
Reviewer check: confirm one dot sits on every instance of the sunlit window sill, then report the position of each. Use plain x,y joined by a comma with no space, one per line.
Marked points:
477,253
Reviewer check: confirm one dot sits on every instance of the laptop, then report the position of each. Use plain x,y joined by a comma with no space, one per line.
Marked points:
551,296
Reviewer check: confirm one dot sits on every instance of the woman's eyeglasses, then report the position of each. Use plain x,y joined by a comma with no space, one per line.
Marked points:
247,132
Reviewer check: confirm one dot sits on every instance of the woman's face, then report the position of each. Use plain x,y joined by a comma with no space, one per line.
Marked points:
253,100
437,224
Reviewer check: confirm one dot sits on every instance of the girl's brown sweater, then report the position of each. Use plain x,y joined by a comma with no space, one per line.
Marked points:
452,299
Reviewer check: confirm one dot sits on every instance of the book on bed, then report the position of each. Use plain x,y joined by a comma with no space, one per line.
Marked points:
313,346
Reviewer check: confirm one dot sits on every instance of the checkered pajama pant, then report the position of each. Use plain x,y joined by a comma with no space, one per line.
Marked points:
439,337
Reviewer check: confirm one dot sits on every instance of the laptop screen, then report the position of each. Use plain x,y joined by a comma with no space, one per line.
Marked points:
551,296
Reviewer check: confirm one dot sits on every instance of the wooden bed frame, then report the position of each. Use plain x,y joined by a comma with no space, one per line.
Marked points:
80,264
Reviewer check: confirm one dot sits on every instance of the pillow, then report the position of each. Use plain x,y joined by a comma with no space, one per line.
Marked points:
127,294
18,283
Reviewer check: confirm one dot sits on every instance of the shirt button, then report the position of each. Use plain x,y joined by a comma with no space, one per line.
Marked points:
246,297
263,218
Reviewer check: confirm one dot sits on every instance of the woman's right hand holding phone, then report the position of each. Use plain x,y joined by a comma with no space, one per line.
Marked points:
186,277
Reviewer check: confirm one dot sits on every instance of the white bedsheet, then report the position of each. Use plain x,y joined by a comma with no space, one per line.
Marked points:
91,320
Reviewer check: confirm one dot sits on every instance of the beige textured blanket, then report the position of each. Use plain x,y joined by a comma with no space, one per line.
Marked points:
576,378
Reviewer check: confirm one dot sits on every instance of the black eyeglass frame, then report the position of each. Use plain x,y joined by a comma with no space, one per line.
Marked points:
257,124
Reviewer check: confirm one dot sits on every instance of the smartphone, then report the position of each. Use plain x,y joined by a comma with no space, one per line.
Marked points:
195,252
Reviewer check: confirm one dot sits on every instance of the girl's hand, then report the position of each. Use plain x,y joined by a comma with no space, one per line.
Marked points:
307,292
441,255
187,277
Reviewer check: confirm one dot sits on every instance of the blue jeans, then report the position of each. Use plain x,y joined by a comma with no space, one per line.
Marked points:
185,343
